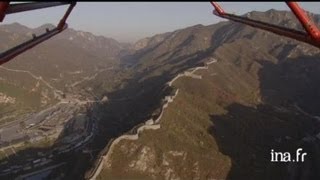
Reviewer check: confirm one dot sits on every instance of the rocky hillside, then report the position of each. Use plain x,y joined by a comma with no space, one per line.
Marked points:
60,65
261,94
68,51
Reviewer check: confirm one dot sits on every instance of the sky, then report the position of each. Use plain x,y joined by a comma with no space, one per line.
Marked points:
131,21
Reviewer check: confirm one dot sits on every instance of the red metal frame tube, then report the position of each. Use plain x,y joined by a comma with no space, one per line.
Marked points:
16,8
302,16
15,51
11,53
291,33
217,8
312,37
3,9
66,15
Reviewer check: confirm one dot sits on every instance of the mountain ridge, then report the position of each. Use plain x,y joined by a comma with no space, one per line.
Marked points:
243,105
224,125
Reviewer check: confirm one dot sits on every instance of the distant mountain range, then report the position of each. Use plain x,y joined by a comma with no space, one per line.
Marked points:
221,126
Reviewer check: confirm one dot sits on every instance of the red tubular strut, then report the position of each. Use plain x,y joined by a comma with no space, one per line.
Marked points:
308,25
291,33
66,15
3,9
217,8
16,8
6,8
311,37
13,52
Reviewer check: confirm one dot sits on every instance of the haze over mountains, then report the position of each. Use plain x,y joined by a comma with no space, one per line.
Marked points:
262,93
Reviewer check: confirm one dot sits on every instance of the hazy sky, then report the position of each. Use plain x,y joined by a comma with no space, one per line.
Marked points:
130,21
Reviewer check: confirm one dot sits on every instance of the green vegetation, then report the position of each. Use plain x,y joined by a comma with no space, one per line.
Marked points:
217,128
220,127
184,128
23,97
2,155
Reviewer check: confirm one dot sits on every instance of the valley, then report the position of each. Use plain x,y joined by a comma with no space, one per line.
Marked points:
202,102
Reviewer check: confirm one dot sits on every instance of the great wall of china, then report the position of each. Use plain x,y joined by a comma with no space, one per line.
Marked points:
154,124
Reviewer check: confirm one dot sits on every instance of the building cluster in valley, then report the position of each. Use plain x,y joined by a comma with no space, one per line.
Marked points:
63,127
